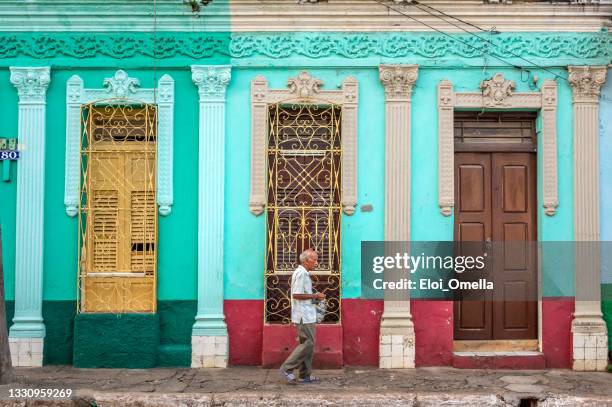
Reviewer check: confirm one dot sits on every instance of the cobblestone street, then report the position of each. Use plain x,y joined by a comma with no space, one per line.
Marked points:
354,386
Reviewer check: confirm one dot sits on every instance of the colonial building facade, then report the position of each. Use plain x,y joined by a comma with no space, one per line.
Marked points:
175,159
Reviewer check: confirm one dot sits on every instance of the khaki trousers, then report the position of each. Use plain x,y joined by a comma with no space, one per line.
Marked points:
301,357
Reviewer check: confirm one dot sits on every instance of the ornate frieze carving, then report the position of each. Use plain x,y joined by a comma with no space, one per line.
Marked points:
31,83
121,86
211,80
496,90
398,80
583,48
586,82
303,89
448,100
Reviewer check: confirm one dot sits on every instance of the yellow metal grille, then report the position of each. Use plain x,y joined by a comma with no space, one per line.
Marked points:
304,204
118,212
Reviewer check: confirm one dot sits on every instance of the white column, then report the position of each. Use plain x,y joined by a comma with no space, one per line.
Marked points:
28,330
209,336
590,337
397,344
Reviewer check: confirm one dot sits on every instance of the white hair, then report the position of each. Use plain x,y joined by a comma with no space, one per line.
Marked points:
305,254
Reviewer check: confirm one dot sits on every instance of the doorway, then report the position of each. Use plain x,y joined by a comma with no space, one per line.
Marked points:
496,198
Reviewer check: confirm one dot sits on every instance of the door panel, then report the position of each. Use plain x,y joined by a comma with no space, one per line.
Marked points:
472,224
496,201
514,224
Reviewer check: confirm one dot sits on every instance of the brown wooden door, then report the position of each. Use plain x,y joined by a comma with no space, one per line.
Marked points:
495,195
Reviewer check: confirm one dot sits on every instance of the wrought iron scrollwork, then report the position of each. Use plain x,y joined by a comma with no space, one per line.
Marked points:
304,203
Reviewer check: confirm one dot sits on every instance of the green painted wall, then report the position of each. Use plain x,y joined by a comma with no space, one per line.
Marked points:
177,232
606,308
116,340
8,190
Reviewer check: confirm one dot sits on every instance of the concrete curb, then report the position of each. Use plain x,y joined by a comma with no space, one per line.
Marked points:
85,398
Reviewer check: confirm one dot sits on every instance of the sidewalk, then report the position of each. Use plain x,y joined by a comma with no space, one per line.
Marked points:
243,386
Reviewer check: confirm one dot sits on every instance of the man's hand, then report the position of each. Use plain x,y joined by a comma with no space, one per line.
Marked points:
320,296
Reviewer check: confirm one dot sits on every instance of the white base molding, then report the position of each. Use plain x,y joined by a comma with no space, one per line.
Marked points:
590,345
396,351
26,352
209,351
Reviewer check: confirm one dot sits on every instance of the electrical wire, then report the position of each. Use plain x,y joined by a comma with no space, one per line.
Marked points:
416,4
389,7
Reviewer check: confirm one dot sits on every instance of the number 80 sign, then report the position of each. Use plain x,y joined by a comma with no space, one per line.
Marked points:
8,149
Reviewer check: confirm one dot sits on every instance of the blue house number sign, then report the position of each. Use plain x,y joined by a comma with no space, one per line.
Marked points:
8,152
8,149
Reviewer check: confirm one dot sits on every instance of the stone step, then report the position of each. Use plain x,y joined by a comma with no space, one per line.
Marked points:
531,360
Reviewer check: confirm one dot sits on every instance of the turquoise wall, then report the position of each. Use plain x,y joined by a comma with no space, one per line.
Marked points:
278,56
427,222
245,233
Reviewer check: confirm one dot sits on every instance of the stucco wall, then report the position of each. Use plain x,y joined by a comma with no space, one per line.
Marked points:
278,57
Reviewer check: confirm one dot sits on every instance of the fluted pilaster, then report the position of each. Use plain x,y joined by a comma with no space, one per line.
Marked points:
31,84
396,326
209,342
588,327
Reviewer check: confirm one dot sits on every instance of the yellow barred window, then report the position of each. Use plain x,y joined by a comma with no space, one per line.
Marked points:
118,212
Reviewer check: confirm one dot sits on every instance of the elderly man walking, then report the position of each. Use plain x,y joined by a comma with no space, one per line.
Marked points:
304,315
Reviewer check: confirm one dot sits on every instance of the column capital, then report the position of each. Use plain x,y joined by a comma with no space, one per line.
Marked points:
211,80
398,81
31,83
586,82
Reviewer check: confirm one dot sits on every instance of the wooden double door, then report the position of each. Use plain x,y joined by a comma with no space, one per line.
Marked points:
495,195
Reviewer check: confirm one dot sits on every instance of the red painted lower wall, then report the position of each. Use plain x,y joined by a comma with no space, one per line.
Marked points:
244,320
433,330
557,315
361,331
355,341
354,344
280,340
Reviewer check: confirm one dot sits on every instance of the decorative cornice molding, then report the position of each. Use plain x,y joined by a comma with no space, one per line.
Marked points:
211,80
398,80
586,82
583,46
31,83
496,90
